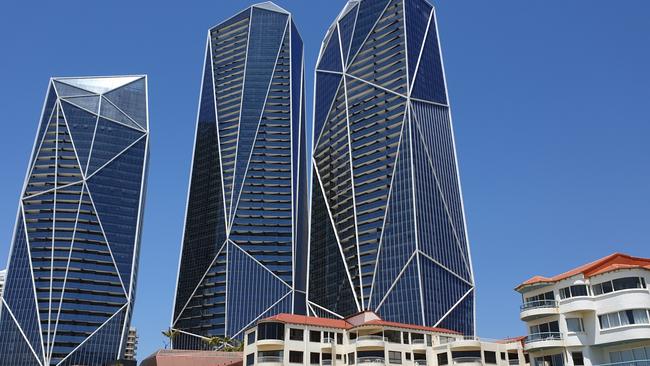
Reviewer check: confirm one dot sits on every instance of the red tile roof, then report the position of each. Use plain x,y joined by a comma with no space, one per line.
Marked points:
610,263
386,323
310,320
342,324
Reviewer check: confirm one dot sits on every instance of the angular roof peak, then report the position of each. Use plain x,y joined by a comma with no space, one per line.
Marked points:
98,84
269,5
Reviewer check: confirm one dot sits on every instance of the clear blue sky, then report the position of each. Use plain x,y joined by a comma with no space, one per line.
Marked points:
551,105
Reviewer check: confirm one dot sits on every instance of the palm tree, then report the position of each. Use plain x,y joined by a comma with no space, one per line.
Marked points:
170,334
224,344
214,343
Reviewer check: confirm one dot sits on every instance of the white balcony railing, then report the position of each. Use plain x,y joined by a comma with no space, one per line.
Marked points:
539,304
371,338
269,359
545,336
373,360
628,363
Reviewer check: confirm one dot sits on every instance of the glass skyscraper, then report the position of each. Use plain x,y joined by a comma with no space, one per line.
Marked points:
73,265
242,256
388,230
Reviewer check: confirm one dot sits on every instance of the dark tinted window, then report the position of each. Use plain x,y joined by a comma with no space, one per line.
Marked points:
296,334
250,339
314,336
443,359
314,358
295,357
250,359
490,357
351,358
394,357
578,359
270,331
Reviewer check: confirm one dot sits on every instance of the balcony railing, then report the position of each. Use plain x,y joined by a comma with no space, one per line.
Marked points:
269,359
545,336
367,360
418,341
420,362
460,360
371,338
326,363
539,304
328,340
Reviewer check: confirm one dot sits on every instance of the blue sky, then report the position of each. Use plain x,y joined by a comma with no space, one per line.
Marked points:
550,103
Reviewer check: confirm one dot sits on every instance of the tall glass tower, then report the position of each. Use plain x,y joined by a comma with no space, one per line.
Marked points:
242,256
387,221
73,265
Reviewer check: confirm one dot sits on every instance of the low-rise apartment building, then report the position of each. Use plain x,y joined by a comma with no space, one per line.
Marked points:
365,339
593,315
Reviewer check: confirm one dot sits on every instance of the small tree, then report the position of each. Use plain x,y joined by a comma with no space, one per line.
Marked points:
170,334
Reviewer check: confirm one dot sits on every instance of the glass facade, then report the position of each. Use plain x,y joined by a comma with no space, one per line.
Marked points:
242,256
388,225
74,259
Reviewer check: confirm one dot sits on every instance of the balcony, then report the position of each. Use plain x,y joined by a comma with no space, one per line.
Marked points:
538,309
370,341
539,341
270,344
269,360
466,343
327,343
468,361
326,363
371,361
420,362
419,344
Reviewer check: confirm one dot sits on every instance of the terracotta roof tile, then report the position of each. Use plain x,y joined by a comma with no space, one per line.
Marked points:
610,263
342,324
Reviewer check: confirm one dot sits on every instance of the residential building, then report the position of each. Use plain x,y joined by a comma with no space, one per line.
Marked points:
366,339
73,264
592,315
388,229
131,348
3,276
245,231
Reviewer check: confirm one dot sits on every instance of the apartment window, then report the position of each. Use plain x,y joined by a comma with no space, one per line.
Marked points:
544,329
338,357
351,358
393,336
541,297
296,334
619,284
295,357
574,291
551,360
250,339
635,354
408,355
405,337
395,357
513,357
270,331
526,358
623,318
443,359
250,359
574,325
339,338
578,359
490,357
314,358
314,336
503,356
429,340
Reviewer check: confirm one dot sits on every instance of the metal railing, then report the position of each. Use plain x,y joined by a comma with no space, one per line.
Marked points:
539,304
371,338
513,362
421,362
329,340
545,336
367,360
269,359
326,363
419,341
459,360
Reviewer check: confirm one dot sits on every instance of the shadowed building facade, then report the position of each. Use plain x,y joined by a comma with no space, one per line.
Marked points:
241,258
73,265
388,229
